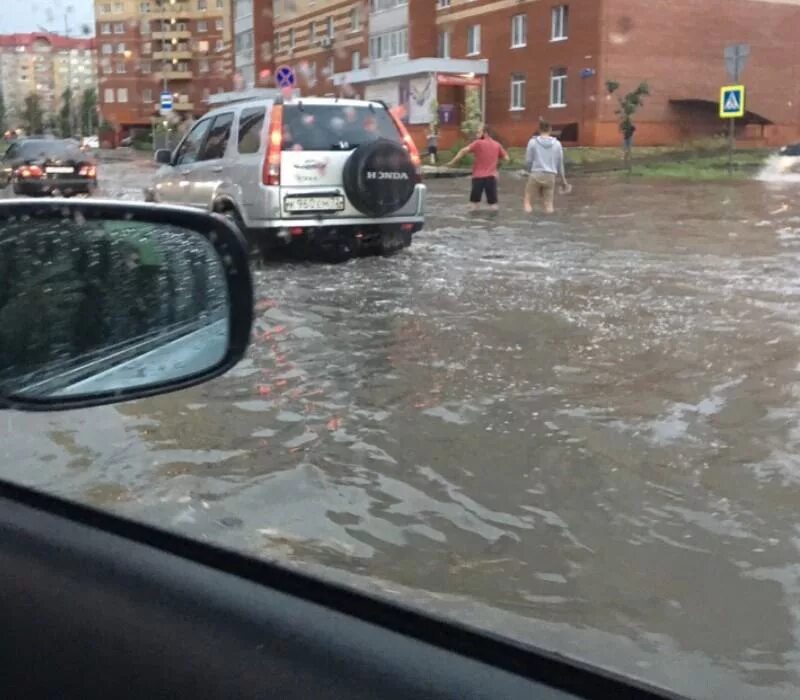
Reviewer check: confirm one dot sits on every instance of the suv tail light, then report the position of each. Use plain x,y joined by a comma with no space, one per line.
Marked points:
271,174
29,171
88,171
409,144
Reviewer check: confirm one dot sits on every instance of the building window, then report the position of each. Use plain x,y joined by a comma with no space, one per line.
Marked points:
519,31
204,65
558,87
107,68
108,48
147,95
291,38
473,39
145,67
329,27
202,26
379,5
443,50
147,47
560,23
517,92
108,95
355,19
118,7
219,23
120,48
355,60
144,7
442,3
330,69
105,28
119,28
144,27
105,9
220,46
220,4
122,94
120,67
312,33
389,45
202,46
202,4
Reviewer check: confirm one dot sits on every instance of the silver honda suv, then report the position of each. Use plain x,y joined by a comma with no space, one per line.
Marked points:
341,176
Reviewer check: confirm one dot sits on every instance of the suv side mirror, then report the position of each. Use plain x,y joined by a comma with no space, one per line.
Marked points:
163,156
107,302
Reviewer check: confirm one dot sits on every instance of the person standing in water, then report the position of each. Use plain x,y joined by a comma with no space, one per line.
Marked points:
433,144
487,153
545,160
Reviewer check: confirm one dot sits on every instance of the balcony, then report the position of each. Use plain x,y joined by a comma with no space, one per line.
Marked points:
172,34
169,55
183,106
178,74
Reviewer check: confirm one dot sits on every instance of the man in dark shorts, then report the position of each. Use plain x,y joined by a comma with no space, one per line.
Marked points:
487,153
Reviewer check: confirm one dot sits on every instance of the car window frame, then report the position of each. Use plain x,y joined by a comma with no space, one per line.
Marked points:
205,121
201,156
263,109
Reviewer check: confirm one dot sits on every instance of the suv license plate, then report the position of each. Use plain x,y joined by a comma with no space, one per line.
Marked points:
293,204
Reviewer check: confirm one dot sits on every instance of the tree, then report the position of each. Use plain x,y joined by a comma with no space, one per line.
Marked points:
472,113
32,115
88,112
65,114
628,106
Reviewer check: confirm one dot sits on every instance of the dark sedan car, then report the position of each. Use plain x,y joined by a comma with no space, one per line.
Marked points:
48,166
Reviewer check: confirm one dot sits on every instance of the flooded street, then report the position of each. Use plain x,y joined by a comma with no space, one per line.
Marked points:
582,432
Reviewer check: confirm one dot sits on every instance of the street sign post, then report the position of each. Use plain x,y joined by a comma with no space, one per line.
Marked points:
735,59
166,103
285,77
731,102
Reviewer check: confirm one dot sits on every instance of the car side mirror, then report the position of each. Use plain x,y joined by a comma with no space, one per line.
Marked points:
107,302
163,156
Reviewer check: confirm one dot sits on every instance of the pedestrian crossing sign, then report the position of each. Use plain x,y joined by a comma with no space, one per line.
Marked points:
731,101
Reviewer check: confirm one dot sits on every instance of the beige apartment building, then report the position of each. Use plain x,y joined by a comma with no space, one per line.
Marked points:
44,64
146,47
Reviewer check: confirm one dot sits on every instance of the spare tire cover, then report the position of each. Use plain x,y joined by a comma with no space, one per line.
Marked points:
379,177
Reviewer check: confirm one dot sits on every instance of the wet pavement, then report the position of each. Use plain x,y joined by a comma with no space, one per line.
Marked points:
582,432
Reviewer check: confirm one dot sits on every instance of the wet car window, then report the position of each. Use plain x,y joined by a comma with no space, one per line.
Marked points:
48,149
251,123
190,148
334,127
218,136
567,412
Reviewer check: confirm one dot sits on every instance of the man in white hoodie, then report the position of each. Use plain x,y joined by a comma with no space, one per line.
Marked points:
545,160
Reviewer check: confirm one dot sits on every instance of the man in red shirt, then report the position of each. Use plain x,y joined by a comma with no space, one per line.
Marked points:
487,153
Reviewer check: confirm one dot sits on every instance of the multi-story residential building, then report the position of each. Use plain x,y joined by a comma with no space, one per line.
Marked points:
529,59
44,64
146,47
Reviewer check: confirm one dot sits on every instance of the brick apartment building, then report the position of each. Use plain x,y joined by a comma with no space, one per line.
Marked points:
537,58
147,46
44,64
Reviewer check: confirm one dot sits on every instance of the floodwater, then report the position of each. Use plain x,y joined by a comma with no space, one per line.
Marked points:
582,432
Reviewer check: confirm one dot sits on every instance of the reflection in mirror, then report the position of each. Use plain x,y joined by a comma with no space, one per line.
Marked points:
96,306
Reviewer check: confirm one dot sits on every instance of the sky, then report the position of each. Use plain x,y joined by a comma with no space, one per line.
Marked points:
30,15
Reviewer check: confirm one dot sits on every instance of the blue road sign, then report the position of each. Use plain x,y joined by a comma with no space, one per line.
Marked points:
284,76
731,101
166,101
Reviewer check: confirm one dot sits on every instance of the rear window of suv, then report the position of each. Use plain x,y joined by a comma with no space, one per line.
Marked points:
335,127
